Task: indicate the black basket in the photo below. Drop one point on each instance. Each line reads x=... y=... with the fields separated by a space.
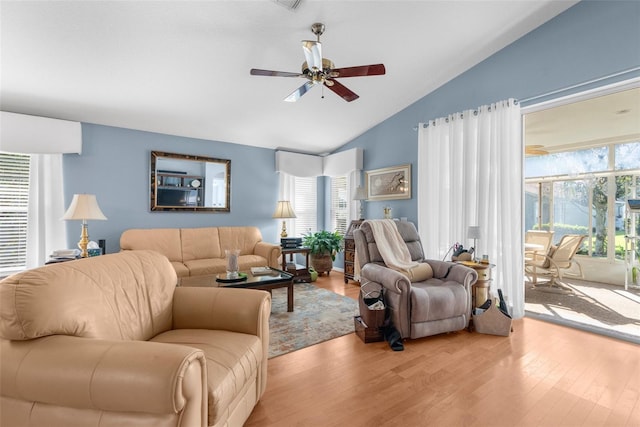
x=372 y=318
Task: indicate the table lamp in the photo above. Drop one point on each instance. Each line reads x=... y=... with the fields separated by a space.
x=360 y=196
x=84 y=207
x=474 y=232
x=284 y=211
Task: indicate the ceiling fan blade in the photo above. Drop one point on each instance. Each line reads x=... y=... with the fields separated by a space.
x=363 y=70
x=297 y=94
x=342 y=91
x=313 y=54
x=257 y=72
x=535 y=150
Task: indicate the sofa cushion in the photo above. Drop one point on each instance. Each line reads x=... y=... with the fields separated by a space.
x=232 y=363
x=243 y=238
x=200 y=243
x=163 y=240
x=210 y=266
x=442 y=301
x=127 y=295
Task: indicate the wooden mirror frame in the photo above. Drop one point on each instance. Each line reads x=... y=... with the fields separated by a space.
x=195 y=184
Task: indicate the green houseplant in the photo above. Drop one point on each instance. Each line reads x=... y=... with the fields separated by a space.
x=323 y=247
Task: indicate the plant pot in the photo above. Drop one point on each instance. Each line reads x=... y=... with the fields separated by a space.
x=322 y=263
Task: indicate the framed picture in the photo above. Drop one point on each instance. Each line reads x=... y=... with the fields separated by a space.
x=389 y=183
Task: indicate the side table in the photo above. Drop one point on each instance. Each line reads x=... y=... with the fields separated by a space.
x=300 y=272
x=480 y=292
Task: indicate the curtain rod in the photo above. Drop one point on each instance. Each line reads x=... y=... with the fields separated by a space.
x=553 y=92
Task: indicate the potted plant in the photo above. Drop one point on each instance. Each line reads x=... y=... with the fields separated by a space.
x=323 y=247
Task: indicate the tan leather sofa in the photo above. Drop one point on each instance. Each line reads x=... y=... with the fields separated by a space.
x=199 y=253
x=111 y=341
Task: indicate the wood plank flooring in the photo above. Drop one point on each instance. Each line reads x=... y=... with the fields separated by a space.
x=542 y=375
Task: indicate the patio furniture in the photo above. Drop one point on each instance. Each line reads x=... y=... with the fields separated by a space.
x=558 y=263
x=536 y=245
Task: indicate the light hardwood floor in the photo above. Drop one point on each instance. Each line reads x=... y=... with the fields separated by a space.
x=542 y=375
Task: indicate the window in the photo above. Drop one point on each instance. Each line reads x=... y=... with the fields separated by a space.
x=584 y=193
x=14 y=198
x=339 y=204
x=305 y=205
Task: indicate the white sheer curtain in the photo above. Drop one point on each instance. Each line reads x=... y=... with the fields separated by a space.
x=470 y=173
x=45 y=229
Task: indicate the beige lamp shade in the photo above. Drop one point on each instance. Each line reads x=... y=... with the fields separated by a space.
x=284 y=210
x=84 y=206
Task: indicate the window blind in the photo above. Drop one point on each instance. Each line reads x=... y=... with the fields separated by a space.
x=339 y=204
x=305 y=205
x=14 y=201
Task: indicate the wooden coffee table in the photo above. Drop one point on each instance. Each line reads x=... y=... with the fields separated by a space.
x=267 y=282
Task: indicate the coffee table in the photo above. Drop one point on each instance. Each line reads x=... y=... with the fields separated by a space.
x=273 y=280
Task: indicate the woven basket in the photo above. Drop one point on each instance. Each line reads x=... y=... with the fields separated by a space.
x=492 y=321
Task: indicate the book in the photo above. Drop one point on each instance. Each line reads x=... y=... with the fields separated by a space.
x=258 y=271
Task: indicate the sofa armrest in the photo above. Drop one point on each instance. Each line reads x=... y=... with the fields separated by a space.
x=270 y=251
x=453 y=271
x=107 y=375
x=232 y=309
x=244 y=311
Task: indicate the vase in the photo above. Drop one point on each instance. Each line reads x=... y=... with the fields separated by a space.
x=232 y=262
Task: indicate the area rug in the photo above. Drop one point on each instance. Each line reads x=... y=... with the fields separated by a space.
x=318 y=315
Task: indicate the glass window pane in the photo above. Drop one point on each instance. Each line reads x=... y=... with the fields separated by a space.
x=627 y=156
x=570 y=210
x=567 y=163
x=599 y=242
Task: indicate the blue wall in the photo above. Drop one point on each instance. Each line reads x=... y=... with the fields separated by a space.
x=114 y=165
x=588 y=41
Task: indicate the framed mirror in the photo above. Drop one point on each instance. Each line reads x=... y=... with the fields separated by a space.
x=184 y=183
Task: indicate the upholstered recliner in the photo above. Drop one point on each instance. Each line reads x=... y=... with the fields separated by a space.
x=111 y=341
x=434 y=305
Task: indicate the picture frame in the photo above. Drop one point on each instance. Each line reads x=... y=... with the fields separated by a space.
x=390 y=183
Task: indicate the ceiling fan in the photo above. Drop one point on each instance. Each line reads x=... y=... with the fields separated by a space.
x=320 y=71
x=534 y=150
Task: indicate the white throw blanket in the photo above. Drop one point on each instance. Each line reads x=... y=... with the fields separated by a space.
x=394 y=251
x=391 y=245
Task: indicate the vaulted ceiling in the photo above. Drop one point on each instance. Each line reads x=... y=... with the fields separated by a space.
x=182 y=67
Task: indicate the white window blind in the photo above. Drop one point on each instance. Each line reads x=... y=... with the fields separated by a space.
x=14 y=201
x=305 y=205
x=339 y=204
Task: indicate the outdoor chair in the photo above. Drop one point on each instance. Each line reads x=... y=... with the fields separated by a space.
x=430 y=304
x=559 y=262
x=536 y=246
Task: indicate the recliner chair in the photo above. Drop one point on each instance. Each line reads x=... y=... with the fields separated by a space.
x=436 y=305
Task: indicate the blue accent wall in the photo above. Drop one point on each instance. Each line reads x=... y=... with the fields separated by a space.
x=115 y=166
x=590 y=40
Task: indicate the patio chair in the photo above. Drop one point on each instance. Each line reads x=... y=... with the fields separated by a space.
x=558 y=263
x=536 y=246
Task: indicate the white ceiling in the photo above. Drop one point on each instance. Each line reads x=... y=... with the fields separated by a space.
x=613 y=117
x=182 y=67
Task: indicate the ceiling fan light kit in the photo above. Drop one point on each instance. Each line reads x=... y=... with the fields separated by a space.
x=321 y=71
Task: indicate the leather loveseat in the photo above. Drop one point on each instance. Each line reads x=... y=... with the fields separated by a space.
x=197 y=254
x=111 y=341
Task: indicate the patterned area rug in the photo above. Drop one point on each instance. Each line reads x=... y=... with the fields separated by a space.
x=318 y=315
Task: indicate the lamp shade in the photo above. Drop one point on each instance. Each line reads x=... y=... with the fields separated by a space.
x=284 y=210
x=474 y=232
x=361 y=194
x=84 y=206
